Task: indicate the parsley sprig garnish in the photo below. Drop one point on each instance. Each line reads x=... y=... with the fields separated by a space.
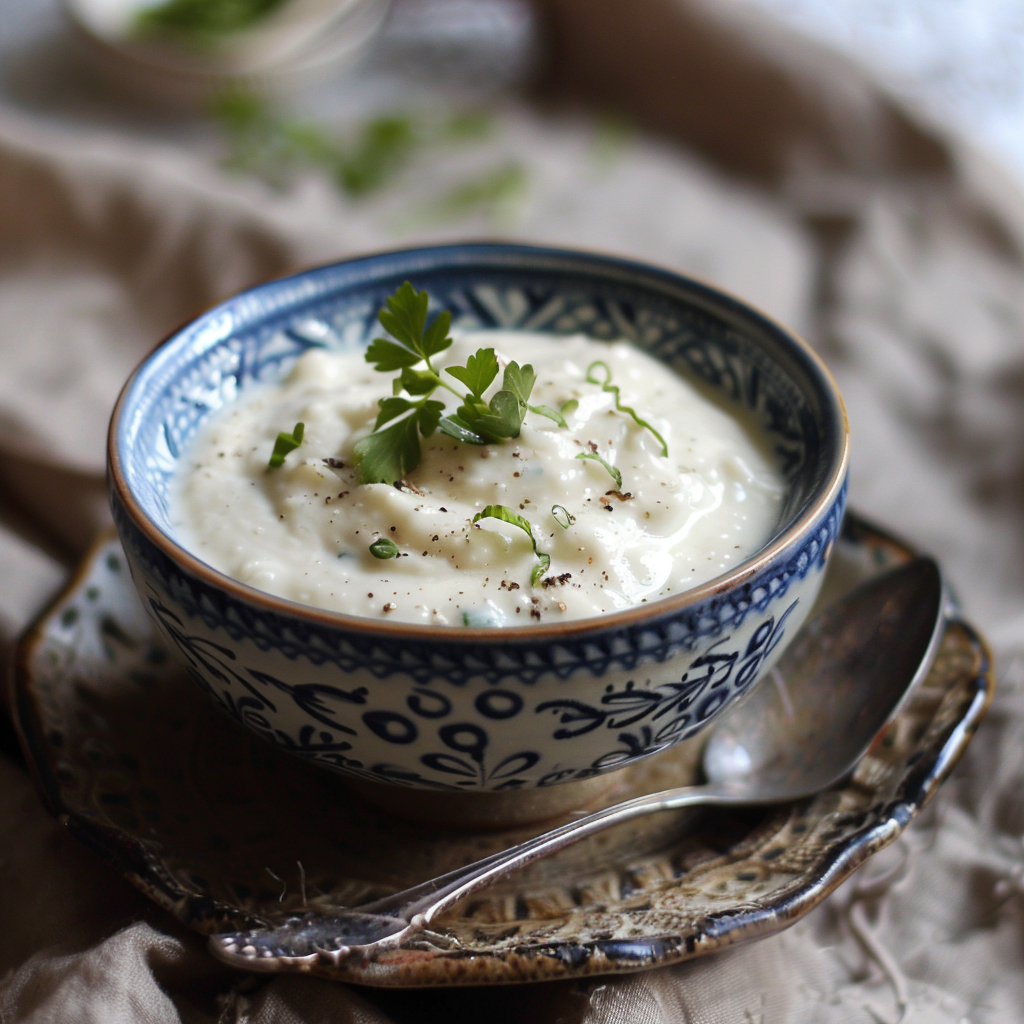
x=506 y=515
x=393 y=449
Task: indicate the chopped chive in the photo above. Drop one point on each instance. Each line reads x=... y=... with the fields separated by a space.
x=562 y=516
x=612 y=389
x=507 y=515
x=384 y=548
x=613 y=471
x=284 y=444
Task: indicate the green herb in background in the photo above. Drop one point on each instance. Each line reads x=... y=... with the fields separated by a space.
x=371 y=157
x=382 y=147
x=494 y=191
x=468 y=126
x=203 y=18
x=612 y=136
x=260 y=143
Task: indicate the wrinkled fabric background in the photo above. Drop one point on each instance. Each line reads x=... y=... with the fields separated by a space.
x=768 y=166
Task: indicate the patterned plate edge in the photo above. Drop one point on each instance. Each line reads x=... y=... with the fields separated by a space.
x=129 y=855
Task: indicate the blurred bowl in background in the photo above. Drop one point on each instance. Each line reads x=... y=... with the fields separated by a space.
x=297 y=43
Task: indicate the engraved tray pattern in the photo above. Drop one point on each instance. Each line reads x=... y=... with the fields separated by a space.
x=227 y=833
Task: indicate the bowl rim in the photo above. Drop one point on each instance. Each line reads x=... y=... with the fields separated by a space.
x=475 y=253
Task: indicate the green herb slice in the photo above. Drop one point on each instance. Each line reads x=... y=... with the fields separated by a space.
x=612 y=389
x=551 y=414
x=613 y=471
x=385 y=145
x=284 y=444
x=507 y=515
x=385 y=547
x=562 y=516
x=456 y=427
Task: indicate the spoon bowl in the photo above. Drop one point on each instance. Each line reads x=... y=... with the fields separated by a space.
x=843 y=679
x=831 y=697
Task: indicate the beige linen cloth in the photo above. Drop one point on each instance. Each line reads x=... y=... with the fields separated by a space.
x=773 y=169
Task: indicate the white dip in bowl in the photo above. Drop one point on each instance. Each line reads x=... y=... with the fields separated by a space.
x=303 y=530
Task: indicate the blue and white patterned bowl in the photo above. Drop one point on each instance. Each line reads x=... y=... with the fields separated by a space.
x=480 y=709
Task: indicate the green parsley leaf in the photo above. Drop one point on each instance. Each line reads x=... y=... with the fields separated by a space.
x=607 y=385
x=308 y=142
x=507 y=515
x=435 y=337
x=406 y=319
x=429 y=416
x=418 y=382
x=493 y=193
x=389 y=409
x=385 y=547
x=390 y=454
x=469 y=124
x=612 y=470
x=240 y=112
x=570 y=406
x=519 y=380
x=479 y=371
x=406 y=316
x=474 y=422
x=388 y=356
x=506 y=415
x=284 y=444
x=503 y=416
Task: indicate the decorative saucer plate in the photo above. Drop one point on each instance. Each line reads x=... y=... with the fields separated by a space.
x=228 y=833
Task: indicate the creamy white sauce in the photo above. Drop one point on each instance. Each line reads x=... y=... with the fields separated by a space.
x=303 y=531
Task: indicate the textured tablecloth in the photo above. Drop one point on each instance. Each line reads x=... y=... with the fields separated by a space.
x=769 y=167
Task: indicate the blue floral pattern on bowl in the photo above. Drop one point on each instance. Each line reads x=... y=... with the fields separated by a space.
x=480 y=709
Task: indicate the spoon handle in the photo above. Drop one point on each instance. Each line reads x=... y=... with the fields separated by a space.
x=427 y=900
x=387 y=922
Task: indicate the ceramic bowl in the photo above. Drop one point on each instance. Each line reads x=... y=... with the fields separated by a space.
x=300 y=44
x=509 y=712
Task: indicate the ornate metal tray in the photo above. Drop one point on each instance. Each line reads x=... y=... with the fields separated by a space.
x=228 y=833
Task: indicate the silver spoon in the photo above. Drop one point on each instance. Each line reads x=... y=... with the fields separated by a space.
x=836 y=687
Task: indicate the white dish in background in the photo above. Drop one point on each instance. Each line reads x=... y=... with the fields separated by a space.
x=303 y=41
x=282 y=33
